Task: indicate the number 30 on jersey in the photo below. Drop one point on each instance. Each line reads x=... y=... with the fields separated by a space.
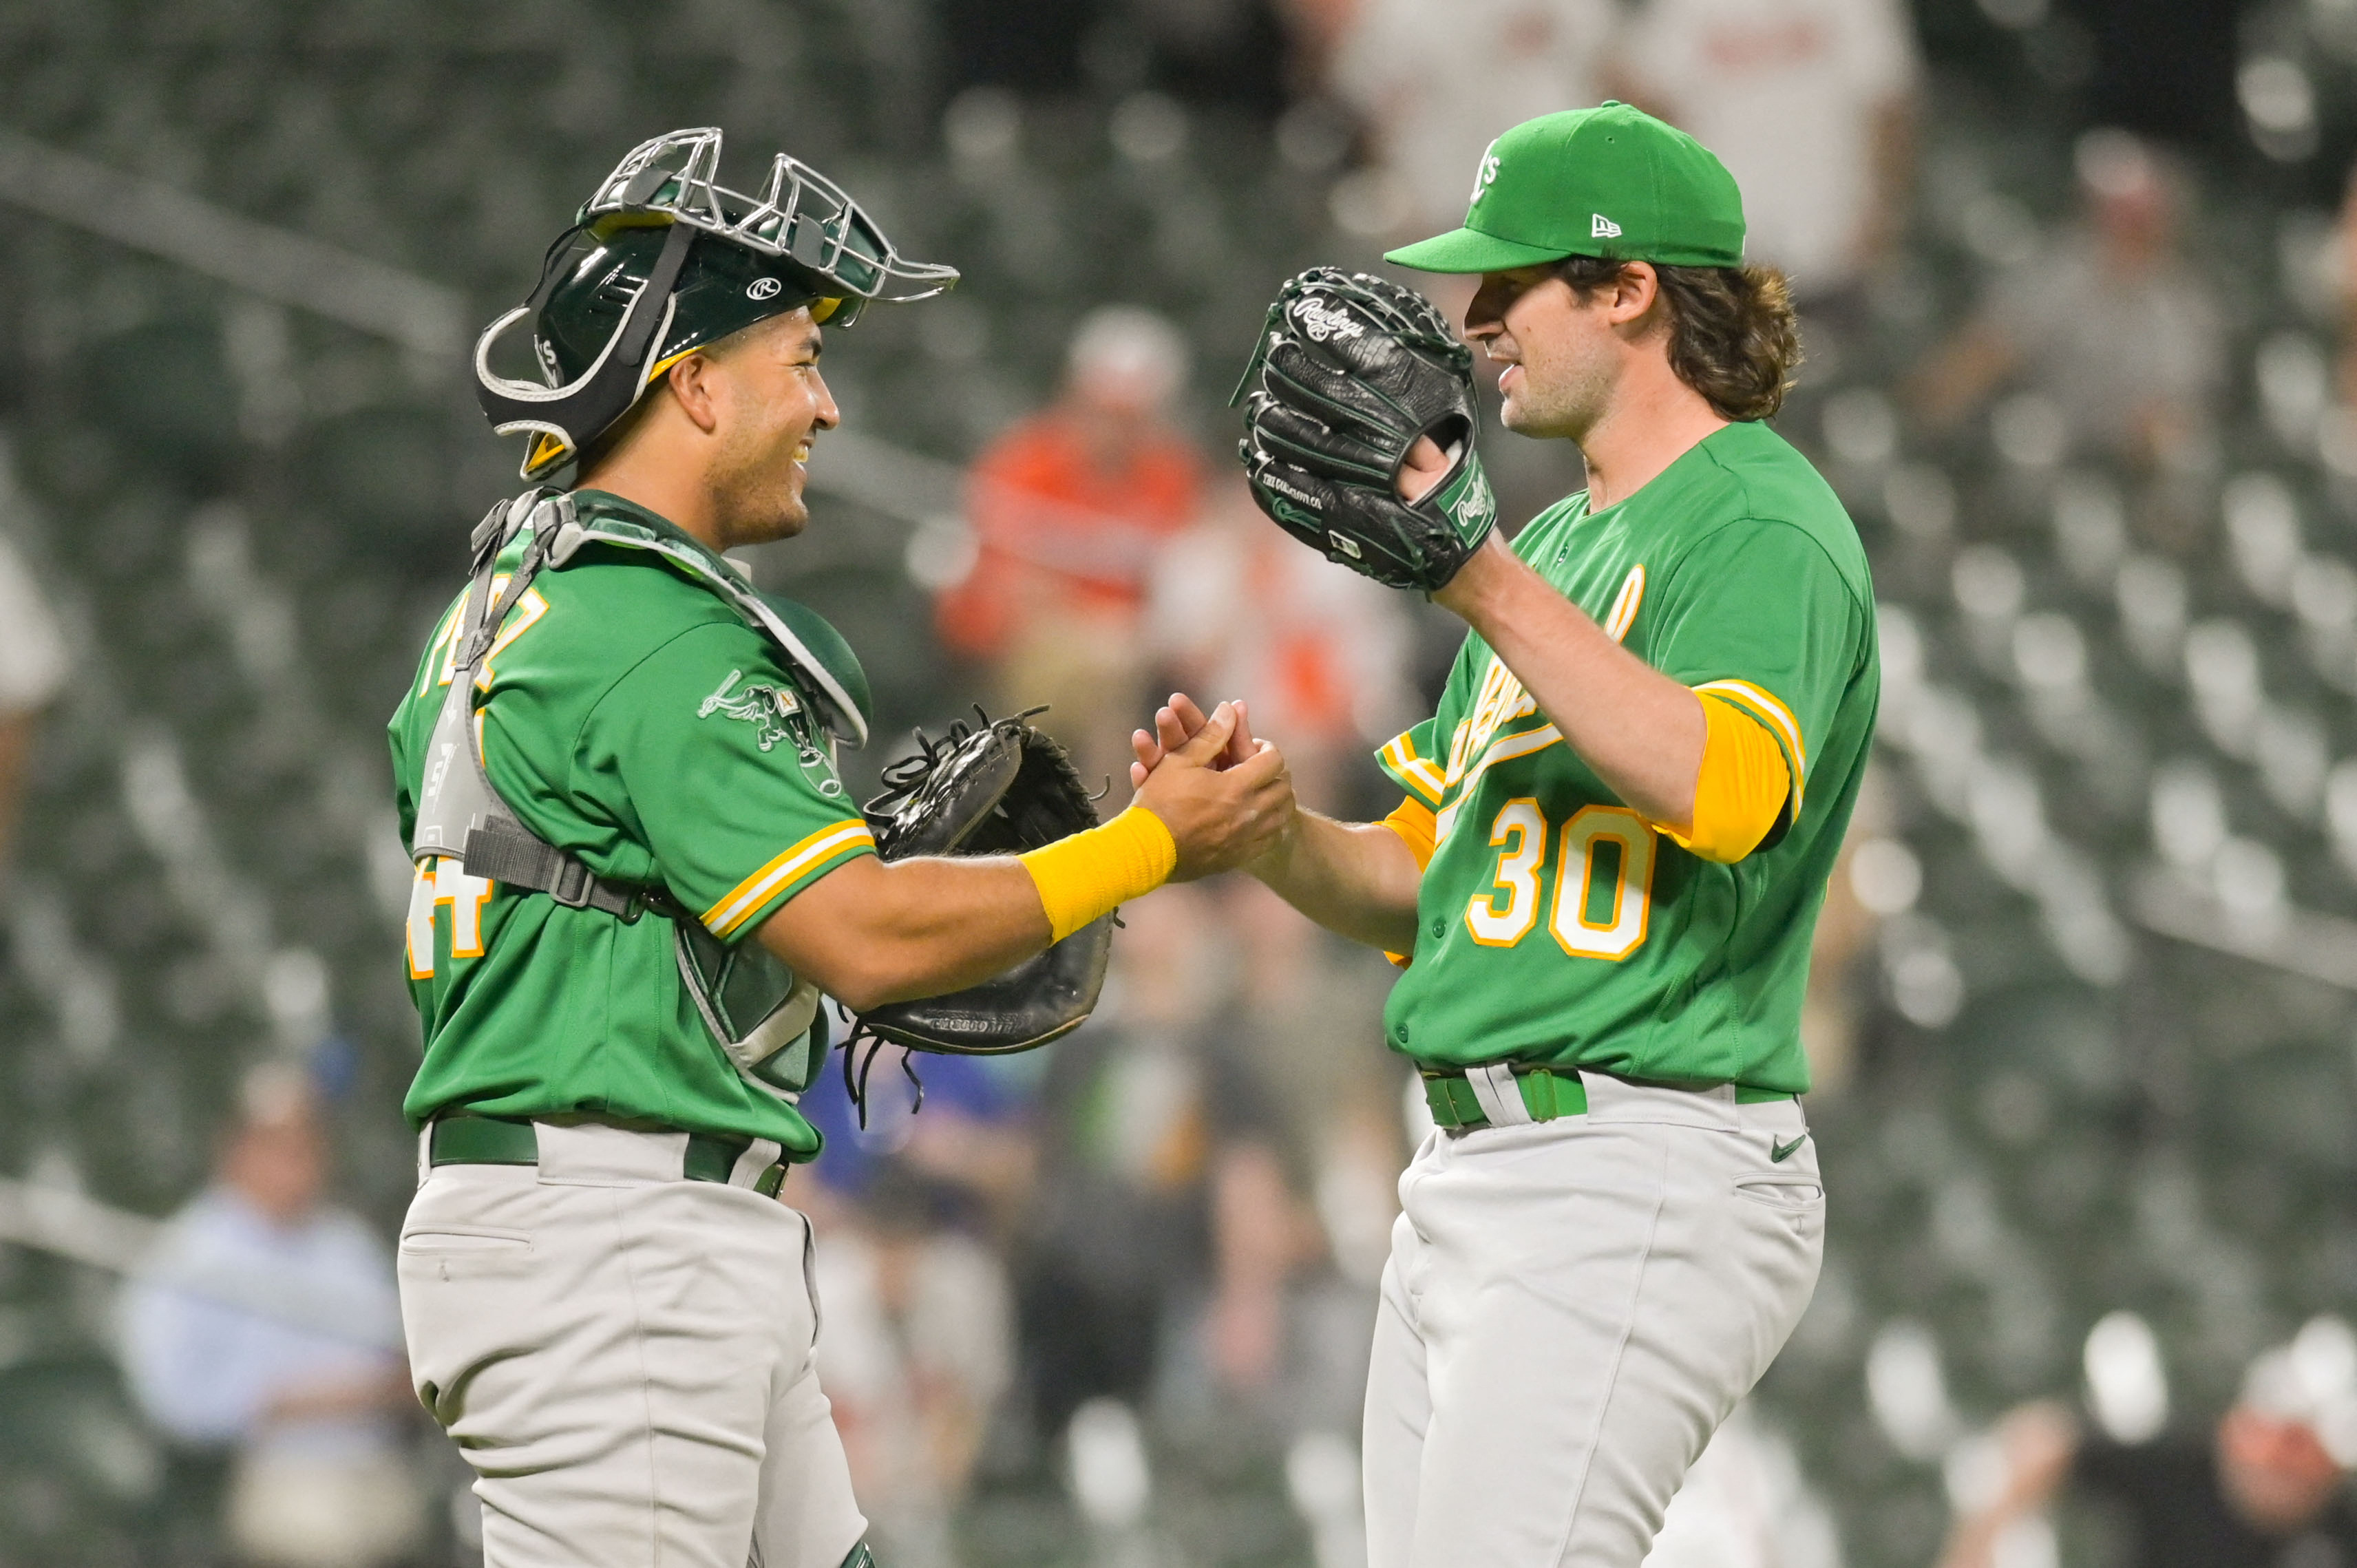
x=1603 y=880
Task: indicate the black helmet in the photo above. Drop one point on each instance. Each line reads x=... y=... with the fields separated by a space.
x=662 y=260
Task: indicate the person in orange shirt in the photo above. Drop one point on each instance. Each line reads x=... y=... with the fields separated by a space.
x=1237 y=606
x=1070 y=509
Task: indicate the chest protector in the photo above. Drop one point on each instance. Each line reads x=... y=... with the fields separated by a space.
x=765 y=1017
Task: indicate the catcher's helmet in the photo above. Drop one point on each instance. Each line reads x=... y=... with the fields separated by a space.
x=662 y=261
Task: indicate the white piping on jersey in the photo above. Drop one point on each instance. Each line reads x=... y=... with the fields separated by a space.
x=1420 y=774
x=1505 y=748
x=1500 y=701
x=724 y=917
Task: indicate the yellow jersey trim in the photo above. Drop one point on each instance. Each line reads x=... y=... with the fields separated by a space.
x=1763 y=706
x=737 y=905
x=1415 y=771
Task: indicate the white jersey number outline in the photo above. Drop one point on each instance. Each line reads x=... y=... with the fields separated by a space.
x=1622 y=906
x=1496 y=925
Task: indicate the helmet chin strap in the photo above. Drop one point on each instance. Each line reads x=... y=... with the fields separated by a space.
x=579 y=412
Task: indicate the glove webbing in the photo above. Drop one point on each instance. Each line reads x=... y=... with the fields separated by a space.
x=903 y=779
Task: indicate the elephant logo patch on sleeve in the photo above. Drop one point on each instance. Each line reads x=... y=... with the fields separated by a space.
x=764 y=707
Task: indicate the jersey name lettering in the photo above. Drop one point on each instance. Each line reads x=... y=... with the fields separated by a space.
x=1501 y=700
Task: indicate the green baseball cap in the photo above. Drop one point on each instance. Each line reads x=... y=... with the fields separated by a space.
x=1608 y=181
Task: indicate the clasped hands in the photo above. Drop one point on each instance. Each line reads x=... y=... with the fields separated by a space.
x=1226 y=798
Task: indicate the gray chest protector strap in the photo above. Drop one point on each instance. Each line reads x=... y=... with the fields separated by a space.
x=762 y=1015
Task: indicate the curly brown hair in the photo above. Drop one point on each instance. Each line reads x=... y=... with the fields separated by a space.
x=1733 y=335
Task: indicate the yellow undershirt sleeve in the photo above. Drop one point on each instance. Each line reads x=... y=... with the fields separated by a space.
x=1741 y=792
x=1417 y=827
x=1091 y=874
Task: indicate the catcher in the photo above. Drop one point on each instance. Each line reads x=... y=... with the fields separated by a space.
x=1614 y=837
x=636 y=871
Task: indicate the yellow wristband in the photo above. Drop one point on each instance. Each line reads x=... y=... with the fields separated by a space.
x=1092 y=873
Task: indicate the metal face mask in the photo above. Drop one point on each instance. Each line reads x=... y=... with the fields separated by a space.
x=662 y=260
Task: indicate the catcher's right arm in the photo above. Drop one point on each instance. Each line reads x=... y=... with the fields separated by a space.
x=1001 y=788
x=1351 y=372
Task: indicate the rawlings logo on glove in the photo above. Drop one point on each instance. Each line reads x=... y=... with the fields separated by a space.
x=1351 y=372
x=1322 y=323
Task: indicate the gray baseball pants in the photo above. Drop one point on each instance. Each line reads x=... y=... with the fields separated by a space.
x=1570 y=1309
x=624 y=1358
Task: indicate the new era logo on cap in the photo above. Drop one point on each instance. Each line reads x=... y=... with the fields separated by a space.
x=1599 y=227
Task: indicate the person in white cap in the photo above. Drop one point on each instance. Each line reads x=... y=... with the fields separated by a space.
x=2266 y=1489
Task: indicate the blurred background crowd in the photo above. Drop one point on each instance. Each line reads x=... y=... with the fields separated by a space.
x=2078 y=280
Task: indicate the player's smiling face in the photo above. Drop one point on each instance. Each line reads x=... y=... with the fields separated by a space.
x=1561 y=356
x=772 y=405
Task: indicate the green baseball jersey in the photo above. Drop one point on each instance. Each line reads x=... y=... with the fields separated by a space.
x=1555 y=926
x=631 y=716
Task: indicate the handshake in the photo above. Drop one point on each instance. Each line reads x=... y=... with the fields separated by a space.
x=1226 y=798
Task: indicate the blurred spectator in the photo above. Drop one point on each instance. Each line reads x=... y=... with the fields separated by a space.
x=917 y=1347
x=1171 y=1262
x=917 y=1338
x=1307 y=1014
x=1321 y=655
x=264 y=1324
x=1137 y=1108
x=2344 y=272
x=2110 y=324
x=911 y=1213
x=1845 y=929
x=1067 y=509
x=1276 y=1347
x=971 y=1149
x=1221 y=52
x=1435 y=89
x=1261 y=1239
x=32 y=671
x=1812 y=106
x=2266 y=1490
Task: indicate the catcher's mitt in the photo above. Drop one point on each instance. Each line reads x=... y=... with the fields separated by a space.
x=998 y=788
x=1351 y=369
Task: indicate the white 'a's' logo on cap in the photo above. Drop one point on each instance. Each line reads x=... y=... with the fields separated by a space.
x=1599 y=227
x=1486 y=175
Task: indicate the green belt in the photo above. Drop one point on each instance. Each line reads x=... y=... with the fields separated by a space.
x=1547 y=1093
x=463 y=1139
